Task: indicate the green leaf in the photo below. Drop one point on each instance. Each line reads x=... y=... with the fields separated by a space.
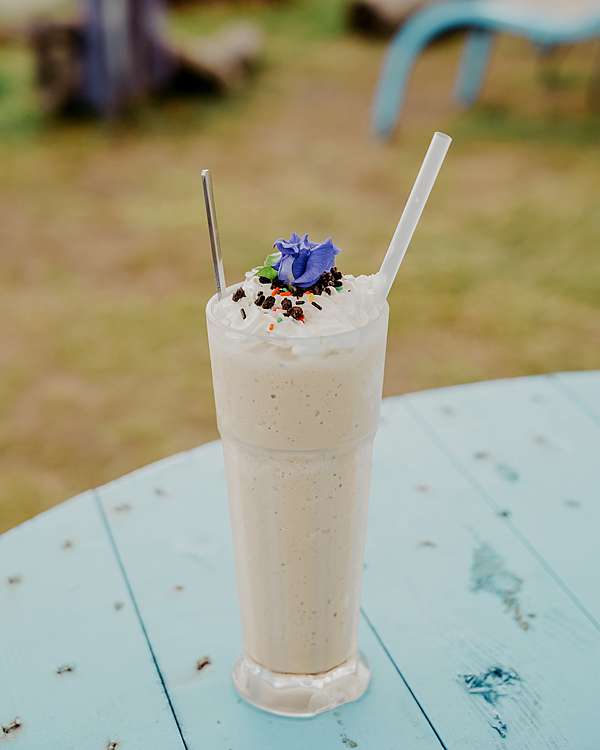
x=267 y=271
x=270 y=260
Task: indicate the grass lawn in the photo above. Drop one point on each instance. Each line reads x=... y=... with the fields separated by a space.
x=105 y=266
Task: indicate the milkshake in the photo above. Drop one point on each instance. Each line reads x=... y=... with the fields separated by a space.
x=297 y=353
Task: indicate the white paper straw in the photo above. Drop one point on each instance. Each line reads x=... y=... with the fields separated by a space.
x=417 y=199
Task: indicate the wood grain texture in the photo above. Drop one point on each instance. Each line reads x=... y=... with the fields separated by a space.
x=74 y=664
x=536 y=457
x=480 y=597
x=583 y=388
x=175 y=544
x=453 y=591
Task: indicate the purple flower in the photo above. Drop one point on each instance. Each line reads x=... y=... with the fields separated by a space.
x=303 y=262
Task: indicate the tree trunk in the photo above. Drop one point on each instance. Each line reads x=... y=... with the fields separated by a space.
x=220 y=62
x=59 y=67
x=117 y=54
x=126 y=58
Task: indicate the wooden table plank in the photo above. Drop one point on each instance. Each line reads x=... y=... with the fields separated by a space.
x=451 y=587
x=452 y=591
x=583 y=388
x=74 y=665
x=536 y=456
x=175 y=544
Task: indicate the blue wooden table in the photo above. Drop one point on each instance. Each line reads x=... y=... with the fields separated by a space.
x=481 y=605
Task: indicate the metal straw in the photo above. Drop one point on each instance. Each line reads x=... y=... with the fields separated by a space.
x=213 y=232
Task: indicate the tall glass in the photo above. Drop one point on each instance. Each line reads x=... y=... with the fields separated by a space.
x=297 y=417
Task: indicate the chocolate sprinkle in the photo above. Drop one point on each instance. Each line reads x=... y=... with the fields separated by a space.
x=259 y=300
x=243 y=313
x=286 y=304
x=238 y=294
x=264 y=280
x=317 y=305
x=203 y=663
x=268 y=303
x=297 y=313
x=12 y=727
x=328 y=290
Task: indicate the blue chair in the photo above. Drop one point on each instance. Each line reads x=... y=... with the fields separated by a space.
x=545 y=25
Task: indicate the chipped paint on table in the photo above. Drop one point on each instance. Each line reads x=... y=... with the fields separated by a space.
x=75 y=668
x=481 y=604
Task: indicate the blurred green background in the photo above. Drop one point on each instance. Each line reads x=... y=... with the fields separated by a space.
x=105 y=260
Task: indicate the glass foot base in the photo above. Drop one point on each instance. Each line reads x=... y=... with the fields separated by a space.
x=300 y=694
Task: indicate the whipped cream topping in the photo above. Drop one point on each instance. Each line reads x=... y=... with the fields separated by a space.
x=353 y=304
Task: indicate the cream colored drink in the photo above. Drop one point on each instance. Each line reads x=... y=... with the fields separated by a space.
x=297 y=402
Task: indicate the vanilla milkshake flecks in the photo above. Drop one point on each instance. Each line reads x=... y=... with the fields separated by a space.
x=297 y=352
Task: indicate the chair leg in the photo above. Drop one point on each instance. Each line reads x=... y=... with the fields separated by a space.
x=391 y=89
x=437 y=19
x=413 y=37
x=473 y=66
